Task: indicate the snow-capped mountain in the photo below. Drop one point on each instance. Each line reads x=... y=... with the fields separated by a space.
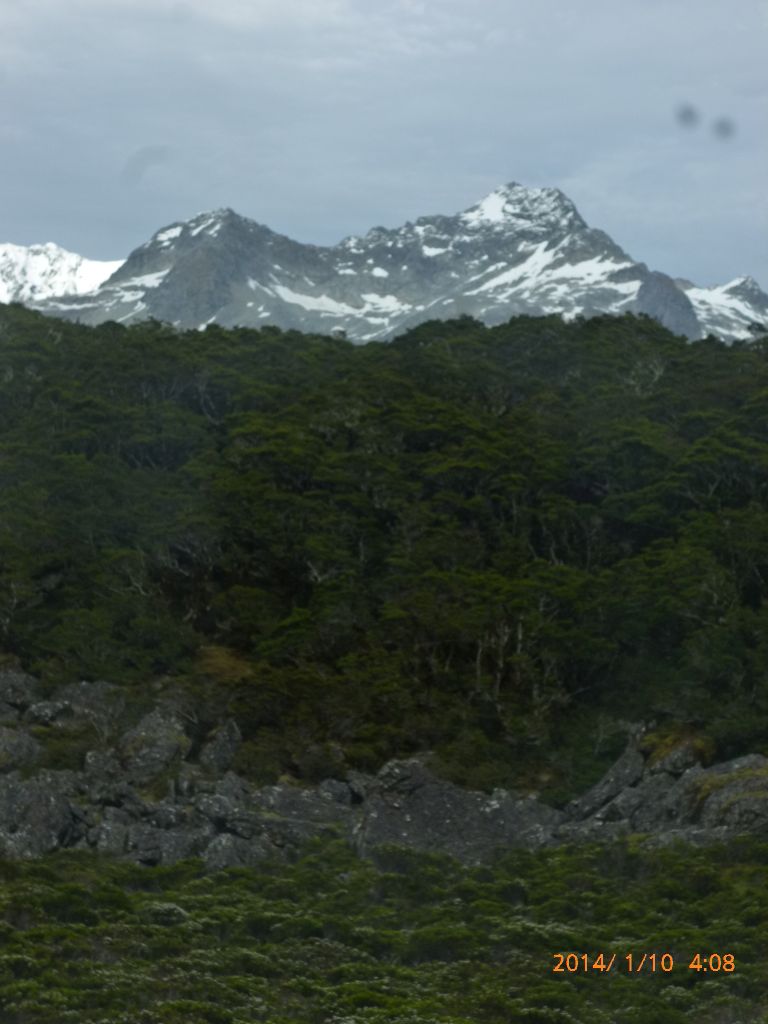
x=727 y=310
x=35 y=272
x=519 y=250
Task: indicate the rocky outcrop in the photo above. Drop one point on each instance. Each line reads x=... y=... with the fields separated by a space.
x=659 y=297
x=148 y=791
x=408 y=806
x=17 y=692
x=219 y=751
x=153 y=746
x=17 y=749
x=36 y=817
x=623 y=776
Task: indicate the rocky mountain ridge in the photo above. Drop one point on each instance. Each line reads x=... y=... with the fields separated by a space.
x=146 y=792
x=518 y=251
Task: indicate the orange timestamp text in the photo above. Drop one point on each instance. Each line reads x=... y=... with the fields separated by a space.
x=635 y=963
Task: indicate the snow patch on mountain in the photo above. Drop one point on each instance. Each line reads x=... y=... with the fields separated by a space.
x=489 y=211
x=166 y=237
x=319 y=303
x=146 y=280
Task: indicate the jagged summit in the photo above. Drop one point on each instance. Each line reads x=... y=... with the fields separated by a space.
x=518 y=250
x=746 y=285
x=515 y=206
x=207 y=224
x=220 y=213
x=511 y=207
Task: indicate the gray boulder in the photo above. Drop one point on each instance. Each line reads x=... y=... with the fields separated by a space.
x=319 y=805
x=674 y=797
x=153 y=746
x=35 y=818
x=229 y=851
x=282 y=816
x=150 y=845
x=337 y=791
x=228 y=816
x=662 y=802
x=735 y=796
x=49 y=712
x=111 y=834
x=232 y=786
x=104 y=783
x=169 y=816
x=219 y=751
x=100 y=703
x=410 y=807
x=679 y=759
x=17 y=749
x=17 y=689
x=8 y=715
x=624 y=773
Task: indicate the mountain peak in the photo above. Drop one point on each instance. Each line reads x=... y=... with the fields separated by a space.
x=514 y=205
x=208 y=222
x=220 y=214
x=35 y=272
x=743 y=284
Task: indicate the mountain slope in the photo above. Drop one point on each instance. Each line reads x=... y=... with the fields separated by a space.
x=35 y=272
x=518 y=251
x=723 y=309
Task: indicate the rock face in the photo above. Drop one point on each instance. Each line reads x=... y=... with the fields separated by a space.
x=407 y=806
x=18 y=691
x=219 y=751
x=661 y=298
x=17 y=749
x=518 y=251
x=152 y=746
x=36 y=817
x=142 y=792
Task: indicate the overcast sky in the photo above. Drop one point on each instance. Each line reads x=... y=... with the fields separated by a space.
x=323 y=118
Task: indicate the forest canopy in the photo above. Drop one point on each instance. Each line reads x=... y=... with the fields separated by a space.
x=498 y=544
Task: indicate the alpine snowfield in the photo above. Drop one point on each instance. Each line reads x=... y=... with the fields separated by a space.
x=31 y=273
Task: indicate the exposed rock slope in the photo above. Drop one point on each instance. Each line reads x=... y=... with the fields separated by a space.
x=142 y=793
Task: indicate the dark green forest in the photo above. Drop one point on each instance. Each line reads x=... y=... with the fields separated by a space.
x=497 y=544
